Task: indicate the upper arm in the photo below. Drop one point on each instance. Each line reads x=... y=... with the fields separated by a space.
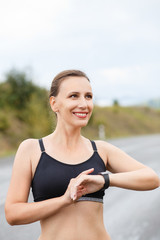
x=119 y=161
x=21 y=174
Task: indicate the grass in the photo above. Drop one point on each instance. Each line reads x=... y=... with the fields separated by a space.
x=124 y=121
x=117 y=122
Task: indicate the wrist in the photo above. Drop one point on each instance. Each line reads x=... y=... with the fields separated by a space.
x=106 y=178
x=66 y=201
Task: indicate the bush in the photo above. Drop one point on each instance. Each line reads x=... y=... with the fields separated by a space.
x=4 y=123
x=19 y=89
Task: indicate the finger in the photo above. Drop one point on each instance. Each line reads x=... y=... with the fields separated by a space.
x=75 y=190
x=81 y=192
x=81 y=180
x=73 y=197
x=88 y=171
x=73 y=194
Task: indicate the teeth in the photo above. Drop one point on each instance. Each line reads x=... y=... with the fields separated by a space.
x=81 y=114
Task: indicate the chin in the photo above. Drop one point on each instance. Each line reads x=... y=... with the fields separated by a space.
x=81 y=124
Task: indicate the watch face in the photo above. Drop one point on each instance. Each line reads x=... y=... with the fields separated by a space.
x=104 y=172
x=107 y=172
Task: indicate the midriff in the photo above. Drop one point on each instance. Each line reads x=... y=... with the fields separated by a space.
x=79 y=221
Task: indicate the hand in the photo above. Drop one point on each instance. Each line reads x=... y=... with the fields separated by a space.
x=68 y=195
x=84 y=184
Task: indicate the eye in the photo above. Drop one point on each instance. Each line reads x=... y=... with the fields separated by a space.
x=73 y=96
x=89 y=96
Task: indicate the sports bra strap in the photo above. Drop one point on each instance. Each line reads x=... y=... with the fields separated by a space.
x=41 y=145
x=94 y=146
x=43 y=149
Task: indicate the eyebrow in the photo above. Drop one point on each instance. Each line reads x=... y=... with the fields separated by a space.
x=79 y=92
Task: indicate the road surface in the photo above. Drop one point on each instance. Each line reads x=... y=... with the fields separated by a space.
x=128 y=215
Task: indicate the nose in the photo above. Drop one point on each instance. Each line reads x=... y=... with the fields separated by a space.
x=82 y=103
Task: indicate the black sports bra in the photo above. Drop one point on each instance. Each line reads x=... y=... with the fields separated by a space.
x=52 y=177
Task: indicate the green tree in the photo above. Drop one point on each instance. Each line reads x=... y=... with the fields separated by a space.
x=19 y=89
x=4 y=93
x=38 y=117
x=115 y=103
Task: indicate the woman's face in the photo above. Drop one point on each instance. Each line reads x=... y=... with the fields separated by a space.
x=74 y=103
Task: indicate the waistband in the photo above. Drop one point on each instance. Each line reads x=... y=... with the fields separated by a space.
x=90 y=199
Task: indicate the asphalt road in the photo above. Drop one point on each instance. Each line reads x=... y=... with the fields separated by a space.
x=128 y=215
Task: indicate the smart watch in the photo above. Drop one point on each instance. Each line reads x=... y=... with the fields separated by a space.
x=106 y=179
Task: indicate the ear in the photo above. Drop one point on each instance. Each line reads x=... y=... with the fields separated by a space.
x=53 y=104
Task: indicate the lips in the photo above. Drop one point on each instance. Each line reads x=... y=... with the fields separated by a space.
x=80 y=114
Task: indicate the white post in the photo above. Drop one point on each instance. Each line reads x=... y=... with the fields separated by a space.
x=101 y=132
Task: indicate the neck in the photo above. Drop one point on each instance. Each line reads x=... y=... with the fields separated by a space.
x=67 y=136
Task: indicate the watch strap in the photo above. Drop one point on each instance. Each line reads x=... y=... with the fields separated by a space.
x=106 y=179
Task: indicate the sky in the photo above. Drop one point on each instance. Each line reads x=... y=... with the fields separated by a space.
x=115 y=42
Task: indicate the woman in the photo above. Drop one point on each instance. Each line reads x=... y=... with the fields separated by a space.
x=68 y=189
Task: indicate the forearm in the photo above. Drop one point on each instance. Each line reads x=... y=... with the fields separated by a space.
x=142 y=179
x=24 y=213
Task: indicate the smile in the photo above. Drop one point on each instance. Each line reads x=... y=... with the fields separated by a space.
x=81 y=115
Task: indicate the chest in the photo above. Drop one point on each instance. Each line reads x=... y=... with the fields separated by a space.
x=52 y=176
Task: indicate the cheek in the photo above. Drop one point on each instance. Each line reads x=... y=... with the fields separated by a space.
x=67 y=106
x=72 y=105
x=91 y=106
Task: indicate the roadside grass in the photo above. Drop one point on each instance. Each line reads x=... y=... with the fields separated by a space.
x=117 y=122
x=123 y=121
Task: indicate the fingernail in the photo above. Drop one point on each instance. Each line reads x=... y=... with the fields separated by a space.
x=71 y=196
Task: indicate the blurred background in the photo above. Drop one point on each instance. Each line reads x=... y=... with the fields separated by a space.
x=115 y=42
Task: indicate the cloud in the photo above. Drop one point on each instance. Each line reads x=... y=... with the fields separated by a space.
x=115 y=42
x=128 y=84
x=26 y=19
x=136 y=74
x=125 y=75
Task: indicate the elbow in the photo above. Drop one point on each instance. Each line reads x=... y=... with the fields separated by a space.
x=10 y=217
x=154 y=180
x=10 y=221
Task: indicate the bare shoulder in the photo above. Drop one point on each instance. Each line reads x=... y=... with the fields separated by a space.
x=117 y=159
x=103 y=149
x=105 y=146
x=26 y=150
x=28 y=145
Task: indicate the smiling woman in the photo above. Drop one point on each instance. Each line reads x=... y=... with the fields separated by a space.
x=72 y=101
x=67 y=172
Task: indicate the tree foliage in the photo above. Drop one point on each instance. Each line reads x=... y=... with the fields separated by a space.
x=24 y=108
x=18 y=89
